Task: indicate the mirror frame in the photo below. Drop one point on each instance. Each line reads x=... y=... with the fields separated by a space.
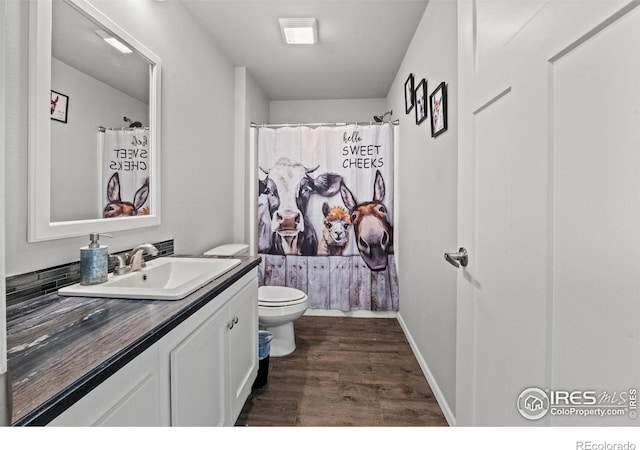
x=40 y=227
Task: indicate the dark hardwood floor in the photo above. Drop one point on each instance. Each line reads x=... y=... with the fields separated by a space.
x=344 y=372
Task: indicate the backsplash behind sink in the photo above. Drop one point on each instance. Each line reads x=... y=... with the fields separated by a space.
x=45 y=281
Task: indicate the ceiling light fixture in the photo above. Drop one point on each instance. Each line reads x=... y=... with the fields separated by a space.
x=113 y=42
x=299 y=31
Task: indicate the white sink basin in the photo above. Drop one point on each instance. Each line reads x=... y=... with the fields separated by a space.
x=162 y=279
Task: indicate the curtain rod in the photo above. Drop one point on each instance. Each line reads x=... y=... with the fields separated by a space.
x=103 y=129
x=319 y=124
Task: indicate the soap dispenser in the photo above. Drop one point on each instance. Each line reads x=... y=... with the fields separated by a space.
x=94 y=261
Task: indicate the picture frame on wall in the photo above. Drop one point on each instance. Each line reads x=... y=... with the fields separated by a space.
x=409 y=98
x=421 y=101
x=59 y=106
x=438 y=107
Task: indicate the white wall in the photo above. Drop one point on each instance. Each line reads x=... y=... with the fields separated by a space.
x=251 y=105
x=3 y=309
x=74 y=152
x=197 y=135
x=315 y=111
x=427 y=196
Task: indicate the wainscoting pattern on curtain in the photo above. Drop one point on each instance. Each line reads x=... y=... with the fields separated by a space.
x=325 y=214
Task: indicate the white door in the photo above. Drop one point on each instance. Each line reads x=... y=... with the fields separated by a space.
x=549 y=211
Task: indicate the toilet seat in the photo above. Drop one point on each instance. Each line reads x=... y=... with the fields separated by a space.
x=274 y=304
x=278 y=296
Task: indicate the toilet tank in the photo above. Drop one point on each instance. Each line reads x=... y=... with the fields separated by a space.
x=229 y=250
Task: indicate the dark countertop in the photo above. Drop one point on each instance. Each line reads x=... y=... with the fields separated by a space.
x=60 y=348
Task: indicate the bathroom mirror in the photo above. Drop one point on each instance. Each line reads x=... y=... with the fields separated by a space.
x=78 y=83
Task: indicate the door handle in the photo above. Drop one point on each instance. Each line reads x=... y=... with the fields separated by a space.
x=461 y=256
x=232 y=322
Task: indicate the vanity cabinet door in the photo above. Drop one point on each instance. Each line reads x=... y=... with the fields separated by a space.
x=243 y=347
x=211 y=359
x=130 y=397
x=198 y=375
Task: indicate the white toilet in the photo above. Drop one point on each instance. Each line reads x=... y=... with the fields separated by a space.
x=278 y=306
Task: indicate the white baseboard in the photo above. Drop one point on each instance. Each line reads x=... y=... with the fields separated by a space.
x=446 y=410
x=339 y=313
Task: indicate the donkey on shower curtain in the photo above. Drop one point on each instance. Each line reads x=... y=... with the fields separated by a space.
x=125 y=172
x=325 y=214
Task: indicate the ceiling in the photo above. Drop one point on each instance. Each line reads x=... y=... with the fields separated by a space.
x=74 y=42
x=361 y=44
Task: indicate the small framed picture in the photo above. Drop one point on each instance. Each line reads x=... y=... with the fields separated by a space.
x=438 y=106
x=421 y=101
x=409 y=98
x=59 y=106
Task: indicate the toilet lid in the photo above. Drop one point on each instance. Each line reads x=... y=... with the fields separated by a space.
x=229 y=250
x=279 y=296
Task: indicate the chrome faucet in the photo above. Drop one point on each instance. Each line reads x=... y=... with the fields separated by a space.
x=133 y=261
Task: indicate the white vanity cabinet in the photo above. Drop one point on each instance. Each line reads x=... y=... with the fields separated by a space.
x=212 y=359
x=198 y=374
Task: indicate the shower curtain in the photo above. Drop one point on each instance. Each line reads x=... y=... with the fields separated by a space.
x=325 y=214
x=124 y=172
